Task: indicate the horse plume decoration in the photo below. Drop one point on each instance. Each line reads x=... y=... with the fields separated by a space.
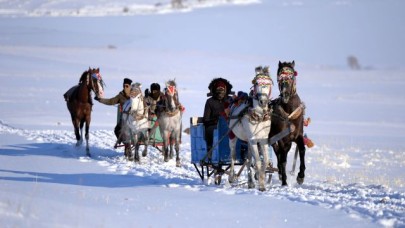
x=288 y=110
x=250 y=121
x=79 y=103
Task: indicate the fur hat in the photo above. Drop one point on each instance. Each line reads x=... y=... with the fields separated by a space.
x=127 y=81
x=220 y=83
x=154 y=86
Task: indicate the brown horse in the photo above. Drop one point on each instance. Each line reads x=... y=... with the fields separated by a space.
x=284 y=108
x=79 y=103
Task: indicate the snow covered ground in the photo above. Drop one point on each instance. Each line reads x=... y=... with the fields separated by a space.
x=354 y=174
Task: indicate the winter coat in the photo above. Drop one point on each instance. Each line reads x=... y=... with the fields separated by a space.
x=213 y=109
x=120 y=99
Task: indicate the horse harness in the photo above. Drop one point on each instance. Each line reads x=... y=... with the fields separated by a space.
x=137 y=116
x=287 y=76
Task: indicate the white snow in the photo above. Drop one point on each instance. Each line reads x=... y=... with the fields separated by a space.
x=354 y=174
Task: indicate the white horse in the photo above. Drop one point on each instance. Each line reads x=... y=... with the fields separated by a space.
x=169 y=119
x=135 y=124
x=253 y=126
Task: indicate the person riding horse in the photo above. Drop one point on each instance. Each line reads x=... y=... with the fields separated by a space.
x=220 y=89
x=120 y=99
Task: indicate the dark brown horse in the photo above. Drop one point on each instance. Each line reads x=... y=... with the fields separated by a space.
x=283 y=107
x=79 y=103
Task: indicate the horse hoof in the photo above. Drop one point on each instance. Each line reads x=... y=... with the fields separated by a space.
x=166 y=159
x=178 y=164
x=300 y=180
x=231 y=179
x=262 y=189
x=218 y=179
x=251 y=185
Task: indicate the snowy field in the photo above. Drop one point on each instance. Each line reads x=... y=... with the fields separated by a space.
x=354 y=175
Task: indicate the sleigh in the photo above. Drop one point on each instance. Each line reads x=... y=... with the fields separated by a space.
x=220 y=162
x=155 y=138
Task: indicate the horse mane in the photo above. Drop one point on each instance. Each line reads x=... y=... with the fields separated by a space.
x=84 y=76
x=214 y=81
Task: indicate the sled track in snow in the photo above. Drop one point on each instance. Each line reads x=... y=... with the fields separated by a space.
x=375 y=202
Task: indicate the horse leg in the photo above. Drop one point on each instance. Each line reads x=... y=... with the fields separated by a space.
x=265 y=162
x=232 y=146
x=136 y=146
x=258 y=165
x=283 y=162
x=165 y=147
x=301 y=148
x=76 y=124
x=276 y=149
x=87 y=136
x=251 y=184
x=146 y=142
x=171 y=142
x=177 y=148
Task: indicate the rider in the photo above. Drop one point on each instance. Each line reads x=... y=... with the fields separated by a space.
x=120 y=99
x=214 y=108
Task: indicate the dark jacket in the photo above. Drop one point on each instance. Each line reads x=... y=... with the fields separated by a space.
x=213 y=109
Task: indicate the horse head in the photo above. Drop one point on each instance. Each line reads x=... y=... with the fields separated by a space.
x=286 y=80
x=93 y=80
x=136 y=95
x=172 y=97
x=262 y=84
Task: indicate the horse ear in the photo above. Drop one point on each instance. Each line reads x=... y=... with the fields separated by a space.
x=279 y=63
x=89 y=69
x=293 y=63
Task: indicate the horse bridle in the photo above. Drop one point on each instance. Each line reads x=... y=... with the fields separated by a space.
x=286 y=75
x=90 y=77
x=171 y=91
x=262 y=80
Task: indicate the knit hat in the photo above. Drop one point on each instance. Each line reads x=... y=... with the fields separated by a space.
x=127 y=81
